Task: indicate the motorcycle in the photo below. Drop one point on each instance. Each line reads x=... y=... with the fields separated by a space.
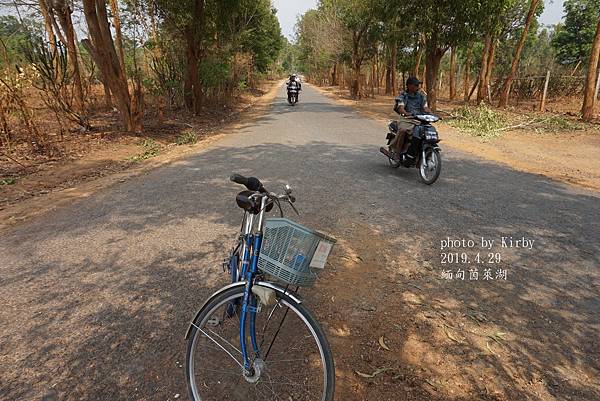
x=292 y=96
x=428 y=159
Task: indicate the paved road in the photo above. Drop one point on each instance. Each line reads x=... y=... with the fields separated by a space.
x=95 y=296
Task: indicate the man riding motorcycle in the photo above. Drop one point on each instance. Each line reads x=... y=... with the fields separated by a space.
x=293 y=83
x=409 y=103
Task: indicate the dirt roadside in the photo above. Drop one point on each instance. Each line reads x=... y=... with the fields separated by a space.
x=557 y=155
x=109 y=163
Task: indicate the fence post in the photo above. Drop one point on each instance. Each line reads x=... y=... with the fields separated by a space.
x=543 y=102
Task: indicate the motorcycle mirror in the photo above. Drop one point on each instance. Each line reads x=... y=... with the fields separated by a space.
x=288 y=189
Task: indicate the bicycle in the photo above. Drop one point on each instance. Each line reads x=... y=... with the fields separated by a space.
x=290 y=358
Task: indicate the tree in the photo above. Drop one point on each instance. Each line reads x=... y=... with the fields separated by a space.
x=491 y=26
x=467 y=73
x=573 y=40
x=452 y=73
x=64 y=11
x=212 y=37
x=16 y=35
x=45 y=10
x=359 y=18
x=105 y=57
x=515 y=62
x=446 y=23
x=114 y=7
x=484 y=70
x=261 y=35
x=589 y=95
x=322 y=42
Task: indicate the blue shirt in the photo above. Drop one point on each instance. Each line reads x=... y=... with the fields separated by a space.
x=413 y=103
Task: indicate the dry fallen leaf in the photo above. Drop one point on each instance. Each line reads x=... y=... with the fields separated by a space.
x=487 y=344
x=382 y=343
x=498 y=337
x=450 y=336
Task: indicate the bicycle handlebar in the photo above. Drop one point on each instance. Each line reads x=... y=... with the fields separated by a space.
x=252 y=183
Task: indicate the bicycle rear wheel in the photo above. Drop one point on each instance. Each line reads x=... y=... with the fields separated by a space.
x=294 y=361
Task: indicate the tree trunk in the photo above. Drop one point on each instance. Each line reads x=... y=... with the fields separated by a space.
x=355 y=85
x=587 y=110
x=108 y=62
x=505 y=92
x=334 y=74
x=417 y=70
x=193 y=95
x=372 y=80
x=107 y=97
x=114 y=6
x=66 y=23
x=394 y=68
x=483 y=71
x=433 y=57
x=452 y=73
x=490 y=62
x=48 y=24
x=388 y=77
x=490 y=65
x=356 y=64
x=467 y=77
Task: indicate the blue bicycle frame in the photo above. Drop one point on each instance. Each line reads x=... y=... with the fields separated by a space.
x=251 y=243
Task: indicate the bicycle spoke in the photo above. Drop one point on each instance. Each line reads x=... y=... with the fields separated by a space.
x=220 y=346
x=231 y=345
x=294 y=365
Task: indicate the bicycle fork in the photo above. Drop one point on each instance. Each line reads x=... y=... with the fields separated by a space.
x=250 y=308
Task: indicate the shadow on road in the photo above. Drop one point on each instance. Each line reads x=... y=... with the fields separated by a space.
x=98 y=296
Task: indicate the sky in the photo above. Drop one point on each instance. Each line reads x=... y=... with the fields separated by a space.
x=289 y=10
x=553 y=12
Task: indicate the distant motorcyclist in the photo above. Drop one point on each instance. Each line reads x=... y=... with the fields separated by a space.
x=293 y=83
x=410 y=102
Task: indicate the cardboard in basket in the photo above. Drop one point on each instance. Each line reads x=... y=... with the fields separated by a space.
x=321 y=253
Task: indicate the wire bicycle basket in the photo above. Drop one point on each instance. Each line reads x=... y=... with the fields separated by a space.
x=293 y=253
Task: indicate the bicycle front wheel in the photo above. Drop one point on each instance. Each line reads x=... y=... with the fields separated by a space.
x=293 y=361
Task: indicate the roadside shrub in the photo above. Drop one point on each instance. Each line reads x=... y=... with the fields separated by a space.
x=151 y=149
x=187 y=138
x=7 y=181
x=479 y=121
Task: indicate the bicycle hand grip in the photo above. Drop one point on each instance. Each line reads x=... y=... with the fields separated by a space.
x=238 y=179
x=252 y=183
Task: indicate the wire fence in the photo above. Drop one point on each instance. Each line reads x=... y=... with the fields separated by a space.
x=532 y=87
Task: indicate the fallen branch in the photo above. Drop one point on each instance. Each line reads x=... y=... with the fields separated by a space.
x=518 y=126
x=13 y=159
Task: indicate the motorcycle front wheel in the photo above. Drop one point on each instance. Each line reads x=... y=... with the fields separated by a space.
x=430 y=167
